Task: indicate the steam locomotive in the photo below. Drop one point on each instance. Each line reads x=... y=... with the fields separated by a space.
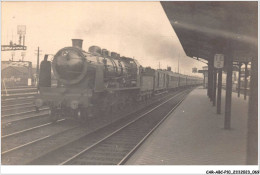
x=96 y=81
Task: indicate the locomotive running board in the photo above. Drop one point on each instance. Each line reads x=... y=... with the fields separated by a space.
x=50 y=90
x=161 y=93
x=122 y=89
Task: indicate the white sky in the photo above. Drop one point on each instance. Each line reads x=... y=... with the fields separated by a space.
x=134 y=29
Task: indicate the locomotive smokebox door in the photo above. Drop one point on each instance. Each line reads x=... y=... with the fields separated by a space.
x=69 y=65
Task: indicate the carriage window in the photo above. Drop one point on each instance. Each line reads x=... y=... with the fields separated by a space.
x=174 y=78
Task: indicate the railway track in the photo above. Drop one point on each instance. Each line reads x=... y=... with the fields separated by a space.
x=18 y=95
x=25 y=122
x=21 y=111
x=17 y=106
x=29 y=143
x=49 y=142
x=16 y=112
x=114 y=143
x=16 y=117
x=118 y=146
x=20 y=114
x=18 y=90
x=16 y=140
x=16 y=101
x=28 y=129
x=25 y=149
x=14 y=96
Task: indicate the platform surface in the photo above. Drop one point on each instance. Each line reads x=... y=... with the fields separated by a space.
x=194 y=135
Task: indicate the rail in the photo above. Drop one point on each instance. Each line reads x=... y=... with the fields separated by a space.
x=5 y=87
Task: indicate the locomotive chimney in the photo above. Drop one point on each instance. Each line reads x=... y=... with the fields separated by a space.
x=77 y=43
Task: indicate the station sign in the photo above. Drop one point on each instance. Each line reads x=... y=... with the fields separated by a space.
x=219 y=61
x=242 y=59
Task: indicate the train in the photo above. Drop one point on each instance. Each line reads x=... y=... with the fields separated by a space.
x=97 y=81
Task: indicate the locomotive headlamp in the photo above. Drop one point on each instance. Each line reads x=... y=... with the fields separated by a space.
x=74 y=104
x=38 y=102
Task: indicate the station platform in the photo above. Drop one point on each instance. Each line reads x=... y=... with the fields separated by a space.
x=194 y=135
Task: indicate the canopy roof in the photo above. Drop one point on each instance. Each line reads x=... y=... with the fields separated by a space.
x=205 y=28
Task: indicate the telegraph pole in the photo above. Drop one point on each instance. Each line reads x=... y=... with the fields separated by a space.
x=37 y=68
x=13 y=54
x=23 y=54
x=178 y=63
x=38 y=55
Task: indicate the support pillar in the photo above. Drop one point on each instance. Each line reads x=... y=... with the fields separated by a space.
x=239 y=79
x=210 y=79
x=204 y=81
x=208 y=93
x=219 y=91
x=246 y=75
x=37 y=69
x=214 y=87
x=252 y=124
x=227 y=122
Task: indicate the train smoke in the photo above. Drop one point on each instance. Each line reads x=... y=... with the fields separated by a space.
x=149 y=38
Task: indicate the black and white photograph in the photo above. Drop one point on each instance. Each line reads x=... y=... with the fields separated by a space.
x=130 y=83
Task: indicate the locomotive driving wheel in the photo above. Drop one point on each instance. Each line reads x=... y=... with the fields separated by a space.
x=111 y=103
x=105 y=105
x=122 y=102
x=81 y=115
x=54 y=115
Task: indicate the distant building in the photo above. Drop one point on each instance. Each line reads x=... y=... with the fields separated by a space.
x=16 y=73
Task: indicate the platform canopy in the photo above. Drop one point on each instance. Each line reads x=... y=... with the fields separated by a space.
x=205 y=28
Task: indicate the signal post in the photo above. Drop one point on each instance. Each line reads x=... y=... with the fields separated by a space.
x=219 y=64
